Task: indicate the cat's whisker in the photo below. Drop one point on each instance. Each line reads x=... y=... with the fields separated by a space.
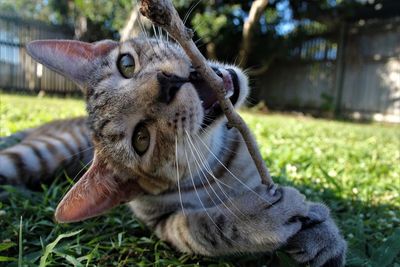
x=198 y=40
x=154 y=32
x=216 y=180
x=232 y=174
x=144 y=31
x=85 y=166
x=141 y=25
x=189 y=12
x=79 y=152
x=207 y=166
x=156 y=36
x=203 y=44
x=234 y=140
x=209 y=170
x=196 y=27
x=158 y=39
x=205 y=131
x=76 y=176
x=200 y=172
x=236 y=58
x=226 y=195
x=202 y=204
x=199 y=168
x=177 y=174
x=223 y=148
x=160 y=34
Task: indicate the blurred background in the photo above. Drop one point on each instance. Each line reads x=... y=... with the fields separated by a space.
x=323 y=57
x=324 y=107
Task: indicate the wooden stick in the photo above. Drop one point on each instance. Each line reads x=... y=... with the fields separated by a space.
x=162 y=13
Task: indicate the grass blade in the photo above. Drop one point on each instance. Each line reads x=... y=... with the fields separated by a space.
x=388 y=251
x=50 y=247
x=20 y=247
x=6 y=245
x=6 y=259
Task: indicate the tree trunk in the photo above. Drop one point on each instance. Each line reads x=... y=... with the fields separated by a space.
x=211 y=51
x=131 y=27
x=134 y=25
x=80 y=27
x=256 y=10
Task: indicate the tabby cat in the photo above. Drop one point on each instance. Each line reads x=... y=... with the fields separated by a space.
x=157 y=139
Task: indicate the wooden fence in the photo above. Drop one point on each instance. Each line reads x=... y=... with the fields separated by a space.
x=18 y=71
x=353 y=72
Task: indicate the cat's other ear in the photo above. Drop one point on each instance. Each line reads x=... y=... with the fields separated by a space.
x=73 y=59
x=98 y=191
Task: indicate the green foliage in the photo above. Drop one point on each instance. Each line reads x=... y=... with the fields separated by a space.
x=351 y=167
x=113 y=13
x=209 y=24
x=21 y=111
x=271 y=16
x=387 y=252
x=50 y=247
x=36 y=9
x=104 y=18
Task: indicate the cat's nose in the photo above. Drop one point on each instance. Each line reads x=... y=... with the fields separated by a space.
x=169 y=86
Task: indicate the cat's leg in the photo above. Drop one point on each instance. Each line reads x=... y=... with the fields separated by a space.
x=255 y=222
x=260 y=223
x=319 y=242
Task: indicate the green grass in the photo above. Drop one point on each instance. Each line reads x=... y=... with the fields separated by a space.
x=18 y=112
x=353 y=168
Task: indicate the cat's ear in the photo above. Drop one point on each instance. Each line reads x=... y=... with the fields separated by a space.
x=73 y=59
x=96 y=192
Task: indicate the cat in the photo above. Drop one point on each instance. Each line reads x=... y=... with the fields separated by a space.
x=156 y=139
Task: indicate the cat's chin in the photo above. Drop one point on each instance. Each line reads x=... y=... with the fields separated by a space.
x=212 y=109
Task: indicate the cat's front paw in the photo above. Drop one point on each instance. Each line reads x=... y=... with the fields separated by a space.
x=319 y=242
x=276 y=215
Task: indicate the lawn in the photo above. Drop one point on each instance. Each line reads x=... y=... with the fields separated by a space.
x=353 y=168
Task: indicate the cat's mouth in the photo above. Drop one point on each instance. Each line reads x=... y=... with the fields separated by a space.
x=212 y=109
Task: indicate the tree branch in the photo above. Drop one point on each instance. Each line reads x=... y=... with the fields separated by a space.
x=256 y=10
x=263 y=68
x=163 y=13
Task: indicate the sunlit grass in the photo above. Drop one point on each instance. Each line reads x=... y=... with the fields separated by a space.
x=23 y=111
x=353 y=168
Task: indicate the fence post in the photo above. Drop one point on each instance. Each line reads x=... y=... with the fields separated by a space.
x=340 y=67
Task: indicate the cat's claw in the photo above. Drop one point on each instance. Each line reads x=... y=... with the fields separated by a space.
x=319 y=242
x=272 y=189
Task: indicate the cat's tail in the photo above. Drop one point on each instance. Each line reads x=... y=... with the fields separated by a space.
x=32 y=157
x=11 y=140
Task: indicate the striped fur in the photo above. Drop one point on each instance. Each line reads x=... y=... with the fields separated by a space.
x=60 y=145
x=195 y=186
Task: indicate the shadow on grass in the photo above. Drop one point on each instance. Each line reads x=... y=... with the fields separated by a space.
x=118 y=239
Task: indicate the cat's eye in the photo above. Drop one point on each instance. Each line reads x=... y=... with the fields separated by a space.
x=126 y=65
x=141 y=139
